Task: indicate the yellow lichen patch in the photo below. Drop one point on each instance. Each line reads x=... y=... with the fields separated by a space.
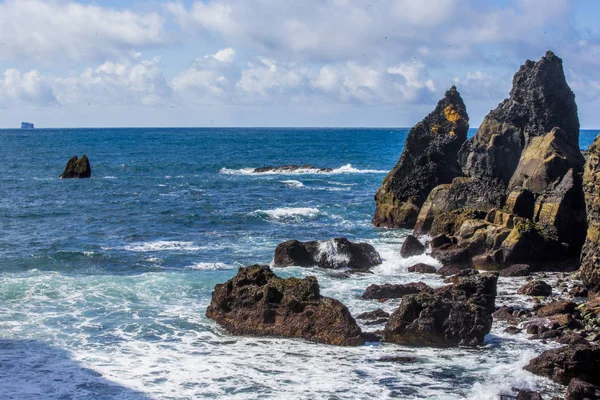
x=452 y=134
x=451 y=114
x=435 y=128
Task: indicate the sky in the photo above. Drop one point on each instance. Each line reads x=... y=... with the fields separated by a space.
x=338 y=63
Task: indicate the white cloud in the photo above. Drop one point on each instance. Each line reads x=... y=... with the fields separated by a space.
x=28 y=88
x=53 y=31
x=225 y=55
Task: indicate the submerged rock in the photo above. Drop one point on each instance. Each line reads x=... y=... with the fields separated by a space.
x=459 y=314
x=291 y=168
x=411 y=247
x=391 y=291
x=590 y=255
x=256 y=302
x=334 y=253
x=565 y=363
x=429 y=159
x=77 y=168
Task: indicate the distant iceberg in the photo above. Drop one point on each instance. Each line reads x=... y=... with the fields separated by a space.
x=26 y=125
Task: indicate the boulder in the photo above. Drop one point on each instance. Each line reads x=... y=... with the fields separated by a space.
x=376 y=314
x=256 y=302
x=334 y=253
x=590 y=254
x=411 y=247
x=535 y=288
x=568 y=362
x=391 y=291
x=429 y=159
x=558 y=307
x=459 y=314
x=581 y=390
x=525 y=394
x=291 y=168
x=423 y=269
x=516 y=270
x=77 y=168
x=520 y=202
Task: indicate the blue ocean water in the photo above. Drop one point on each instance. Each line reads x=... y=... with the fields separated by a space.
x=104 y=282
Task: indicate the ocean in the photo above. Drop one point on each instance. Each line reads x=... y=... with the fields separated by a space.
x=104 y=282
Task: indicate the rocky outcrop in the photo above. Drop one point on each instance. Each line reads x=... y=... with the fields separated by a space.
x=256 y=302
x=77 y=168
x=334 y=253
x=565 y=363
x=590 y=255
x=393 y=291
x=581 y=390
x=459 y=314
x=411 y=247
x=291 y=168
x=429 y=159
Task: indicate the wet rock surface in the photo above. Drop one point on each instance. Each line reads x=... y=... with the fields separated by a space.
x=77 y=168
x=256 y=302
x=536 y=288
x=411 y=247
x=581 y=390
x=393 y=291
x=422 y=269
x=565 y=363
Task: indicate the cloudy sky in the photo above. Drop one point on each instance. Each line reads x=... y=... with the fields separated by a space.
x=280 y=62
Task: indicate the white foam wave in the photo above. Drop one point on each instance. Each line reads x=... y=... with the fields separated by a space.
x=207 y=266
x=345 y=169
x=110 y=177
x=162 y=245
x=285 y=214
x=293 y=183
x=329 y=251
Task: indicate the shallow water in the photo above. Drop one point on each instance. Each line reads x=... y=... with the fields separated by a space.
x=104 y=282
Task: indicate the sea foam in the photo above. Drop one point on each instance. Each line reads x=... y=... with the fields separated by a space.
x=287 y=214
x=345 y=169
x=162 y=245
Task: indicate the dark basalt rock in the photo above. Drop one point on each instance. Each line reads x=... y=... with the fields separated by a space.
x=376 y=314
x=291 y=168
x=429 y=159
x=528 y=395
x=590 y=255
x=459 y=314
x=565 y=363
x=581 y=390
x=411 y=247
x=334 y=253
x=391 y=291
x=77 y=168
x=256 y=302
x=460 y=274
x=535 y=288
x=558 y=307
x=516 y=270
x=423 y=269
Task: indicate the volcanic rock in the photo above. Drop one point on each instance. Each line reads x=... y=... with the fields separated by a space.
x=535 y=288
x=334 y=253
x=422 y=269
x=528 y=395
x=565 y=363
x=558 y=307
x=590 y=254
x=516 y=270
x=376 y=314
x=459 y=314
x=581 y=390
x=256 y=302
x=391 y=291
x=429 y=159
x=411 y=247
x=77 y=168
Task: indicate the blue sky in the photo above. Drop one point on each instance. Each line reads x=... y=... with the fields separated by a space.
x=280 y=62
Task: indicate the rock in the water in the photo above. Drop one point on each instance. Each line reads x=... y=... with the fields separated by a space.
x=516 y=270
x=528 y=395
x=590 y=255
x=411 y=247
x=422 y=269
x=459 y=314
x=77 y=168
x=536 y=288
x=256 y=302
x=429 y=159
x=376 y=314
x=565 y=363
x=291 y=168
x=391 y=291
x=558 y=307
x=581 y=390
x=333 y=253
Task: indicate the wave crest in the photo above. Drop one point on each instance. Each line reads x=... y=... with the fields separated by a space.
x=287 y=214
x=345 y=169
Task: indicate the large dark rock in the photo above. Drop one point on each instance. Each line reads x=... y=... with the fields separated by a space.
x=393 y=291
x=77 y=168
x=256 y=302
x=411 y=247
x=535 y=288
x=565 y=363
x=581 y=390
x=540 y=100
x=423 y=268
x=429 y=159
x=558 y=307
x=291 y=168
x=516 y=270
x=459 y=314
x=334 y=253
x=590 y=255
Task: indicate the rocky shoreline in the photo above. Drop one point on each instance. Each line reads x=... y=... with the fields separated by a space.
x=518 y=199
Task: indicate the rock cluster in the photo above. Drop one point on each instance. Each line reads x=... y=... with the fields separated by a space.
x=334 y=253
x=77 y=168
x=256 y=302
